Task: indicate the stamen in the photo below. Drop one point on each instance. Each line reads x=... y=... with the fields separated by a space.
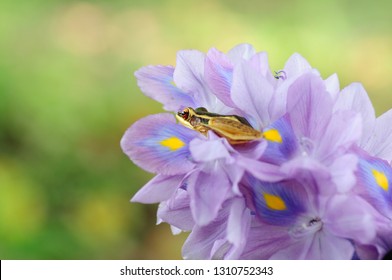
x=314 y=221
x=308 y=226
x=306 y=146
x=184 y=186
x=281 y=74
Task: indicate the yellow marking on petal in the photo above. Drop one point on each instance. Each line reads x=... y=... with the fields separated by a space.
x=381 y=179
x=274 y=202
x=272 y=135
x=173 y=143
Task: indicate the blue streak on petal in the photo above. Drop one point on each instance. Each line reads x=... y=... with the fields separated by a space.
x=379 y=193
x=164 y=133
x=291 y=193
x=278 y=153
x=159 y=145
x=157 y=83
x=219 y=75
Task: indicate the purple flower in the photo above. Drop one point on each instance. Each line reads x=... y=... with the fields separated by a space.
x=374 y=174
x=183 y=158
x=374 y=185
x=315 y=186
x=376 y=136
x=313 y=138
x=292 y=221
x=224 y=238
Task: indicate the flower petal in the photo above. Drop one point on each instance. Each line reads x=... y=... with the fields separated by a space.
x=264 y=240
x=176 y=211
x=175 y=230
x=278 y=203
x=354 y=97
x=349 y=216
x=261 y=170
x=309 y=106
x=234 y=173
x=342 y=172
x=208 y=150
x=157 y=82
x=158 y=189
x=296 y=250
x=327 y=246
x=367 y=252
x=380 y=140
x=332 y=86
x=159 y=145
x=296 y=65
x=207 y=192
x=189 y=77
x=375 y=175
x=305 y=167
x=219 y=75
x=189 y=72
x=259 y=62
x=252 y=149
x=224 y=237
x=278 y=106
x=241 y=52
x=321 y=246
x=281 y=141
x=338 y=137
x=200 y=242
x=238 y=225
x=252 y=93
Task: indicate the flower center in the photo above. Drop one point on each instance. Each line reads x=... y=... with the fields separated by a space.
x=306 y=146
x=306 y=227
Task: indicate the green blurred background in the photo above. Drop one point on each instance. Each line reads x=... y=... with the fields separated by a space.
x=67 y=94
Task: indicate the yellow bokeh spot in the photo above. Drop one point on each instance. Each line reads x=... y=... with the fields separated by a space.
x=272 y=135
x=99 y=218
x=381 y=179
x=274 y=202
x=173 y=143
x=23 y=205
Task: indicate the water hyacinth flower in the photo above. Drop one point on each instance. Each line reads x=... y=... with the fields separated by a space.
x=374 y=185
x=294 y=222
x=269 y=165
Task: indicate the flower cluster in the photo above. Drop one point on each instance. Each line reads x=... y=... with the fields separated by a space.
x=317 y=185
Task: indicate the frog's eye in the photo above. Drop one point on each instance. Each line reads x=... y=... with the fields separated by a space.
x=184 y=114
